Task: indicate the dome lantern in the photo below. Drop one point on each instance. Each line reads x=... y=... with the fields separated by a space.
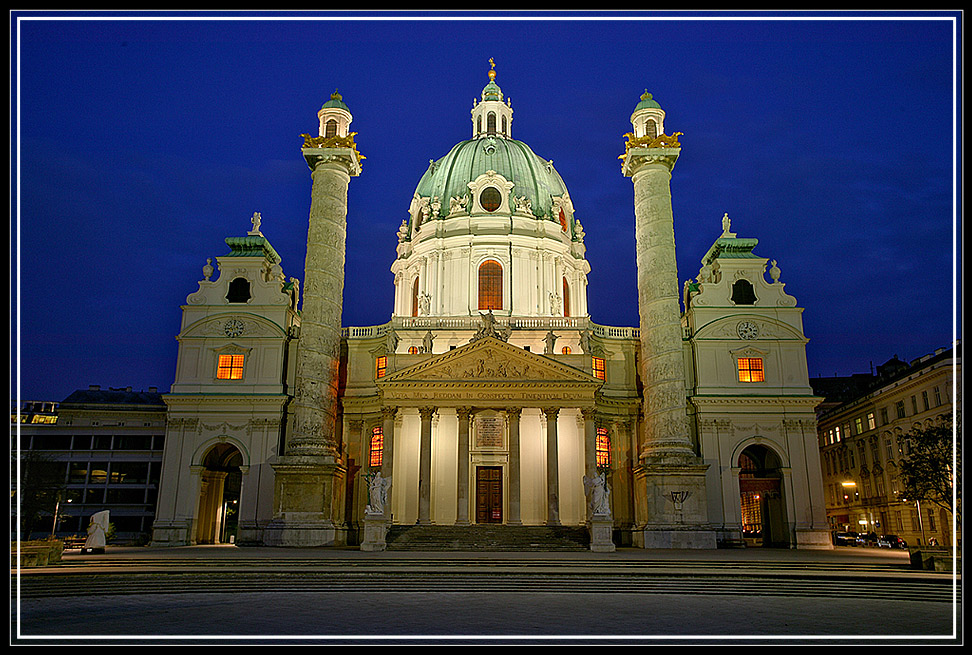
x=490 y=117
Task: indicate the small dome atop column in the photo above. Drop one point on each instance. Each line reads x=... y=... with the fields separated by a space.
x=648 y=118
x=335 y=117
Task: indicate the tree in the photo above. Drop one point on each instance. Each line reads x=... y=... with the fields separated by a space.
x=41 y=483
x=929 y=473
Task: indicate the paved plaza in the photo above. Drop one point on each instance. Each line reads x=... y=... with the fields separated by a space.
x=220 y=594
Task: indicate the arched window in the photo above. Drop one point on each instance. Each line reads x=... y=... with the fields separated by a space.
x=415 y=297
x=651 y=130
x=376 y=448
x=563 y=220
x=490 y=123
x=566 y=298
x=602 y=450
x=239 y=290
x=490 y=285
x=504 y=125
x=479 y=125
x=743 y=293
x=330 y=128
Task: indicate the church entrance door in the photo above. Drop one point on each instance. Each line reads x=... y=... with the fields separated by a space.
x=489 y=494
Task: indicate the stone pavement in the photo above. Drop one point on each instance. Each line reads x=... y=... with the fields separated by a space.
x=224 y=594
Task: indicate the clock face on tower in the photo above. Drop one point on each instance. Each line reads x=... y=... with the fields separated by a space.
x=747 y=330
x=233 y=327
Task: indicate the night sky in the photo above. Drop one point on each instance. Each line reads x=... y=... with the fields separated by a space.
x=140 y=145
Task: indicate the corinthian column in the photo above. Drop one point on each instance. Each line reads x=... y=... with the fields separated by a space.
x=308 y=478
x=674 y=476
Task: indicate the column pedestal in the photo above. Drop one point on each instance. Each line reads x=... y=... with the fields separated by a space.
x=602 y=533
x=675 y=506
x=375 y=526
x=303 y=491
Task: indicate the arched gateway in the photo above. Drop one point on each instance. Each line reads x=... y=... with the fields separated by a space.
x=761 y=498
x=219 y=495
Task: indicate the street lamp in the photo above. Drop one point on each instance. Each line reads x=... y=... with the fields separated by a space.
x=921 y=523
x=57 y=513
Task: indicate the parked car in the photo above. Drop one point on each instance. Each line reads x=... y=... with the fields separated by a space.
x=868 y=539
x=845 y=539
x=891 y=541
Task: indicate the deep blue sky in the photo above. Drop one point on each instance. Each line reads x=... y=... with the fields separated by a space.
x=143 y=144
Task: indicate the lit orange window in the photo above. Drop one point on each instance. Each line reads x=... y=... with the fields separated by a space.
x=602 y=450
x=565 y=350
x=598 y=364
x=381 y=364
x=563 y=220
x=490 y=285
x=377 y=447
x=229 y=367
x=750 y=369
x=566 y=298
x=413 y=350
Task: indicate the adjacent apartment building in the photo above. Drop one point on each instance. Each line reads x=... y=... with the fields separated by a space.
x=863 y=428
x=108 y=444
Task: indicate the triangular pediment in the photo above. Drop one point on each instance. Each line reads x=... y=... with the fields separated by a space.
x=489 y=359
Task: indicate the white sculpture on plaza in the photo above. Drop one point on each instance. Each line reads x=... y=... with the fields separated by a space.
x=97 y=529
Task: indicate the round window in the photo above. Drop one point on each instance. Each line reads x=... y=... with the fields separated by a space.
x=490 y=199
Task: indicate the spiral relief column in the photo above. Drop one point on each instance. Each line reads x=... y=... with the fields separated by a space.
x=674 y=476
x=308 y=478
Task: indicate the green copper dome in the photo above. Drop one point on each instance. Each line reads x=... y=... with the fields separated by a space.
x=533 y=177
x=647 y=102
x=336 y=102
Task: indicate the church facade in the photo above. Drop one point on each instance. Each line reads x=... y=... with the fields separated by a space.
x=491 y=396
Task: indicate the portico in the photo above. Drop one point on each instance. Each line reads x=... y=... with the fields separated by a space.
x=488 y=409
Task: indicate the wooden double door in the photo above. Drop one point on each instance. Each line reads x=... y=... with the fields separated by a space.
x=489 y=494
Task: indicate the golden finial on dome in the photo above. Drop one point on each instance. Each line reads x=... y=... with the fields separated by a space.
x=646 y=95
x=492 y=70
x=336 y=95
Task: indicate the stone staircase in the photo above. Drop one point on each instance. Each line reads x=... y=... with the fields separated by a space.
x=487 y=538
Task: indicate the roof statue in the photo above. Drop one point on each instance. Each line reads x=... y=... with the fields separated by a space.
x=256 y=220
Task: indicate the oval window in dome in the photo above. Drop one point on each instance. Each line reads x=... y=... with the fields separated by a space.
x=490 y=199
